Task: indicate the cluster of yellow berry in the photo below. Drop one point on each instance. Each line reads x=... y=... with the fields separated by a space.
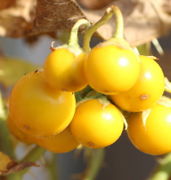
x=42 y=105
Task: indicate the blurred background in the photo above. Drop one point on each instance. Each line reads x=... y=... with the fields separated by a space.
x=144 y=21
x=122 y=160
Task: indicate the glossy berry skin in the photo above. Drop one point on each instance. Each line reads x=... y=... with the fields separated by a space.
x=147 y=90
x=60 y=143
x=111 y=69
x=18 y=134
x=97 y=124
x=64 y=70
x=37 y=109
x=151 y=133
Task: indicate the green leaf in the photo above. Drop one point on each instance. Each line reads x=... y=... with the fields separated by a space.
x=145 y=49
x=12 y=69
x=2 y=109
x=5 y=139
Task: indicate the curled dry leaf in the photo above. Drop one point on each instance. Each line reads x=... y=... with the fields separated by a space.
x=94 y=4
x=144 y=20
x=8 y=166
x=6 y=4
x=17 y=19
x=33 y=17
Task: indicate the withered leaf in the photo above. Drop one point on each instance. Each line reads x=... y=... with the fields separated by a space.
x=94 y=4
x=6 y=4
x=144 y=20
x=5 y=161
x=8 y=166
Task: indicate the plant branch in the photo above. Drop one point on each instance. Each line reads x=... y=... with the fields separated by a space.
x=52 y=167
x=119 y=32
x=94 y=164
x=34 y=154
x=73 y=39
x=113 y=10
x=163 y=170
x=5 y=140
x=88 y=34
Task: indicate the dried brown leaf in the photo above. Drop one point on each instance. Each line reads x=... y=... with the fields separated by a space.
x=94 y=4
x=6 y=4
x=144 y=20
x=16 y=20
x=55 y=15
x=8 y=166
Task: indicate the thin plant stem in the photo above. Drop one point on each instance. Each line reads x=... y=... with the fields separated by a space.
x=163 y=170
x=94 y=164
x=15 y=176
x=5 y=140
x=113 y=10
x=32 y=156
x=119 y=32
x=167 y=85
x=158 y=47
x=52 y=168
x=73 y=39
x=88 y=34
x=145 y=49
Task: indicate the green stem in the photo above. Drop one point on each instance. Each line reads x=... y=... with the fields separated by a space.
x=158 y=47
x=95 y=163
x=73 y=40
x=145 y=49
x=52 y=167
x=6 y=145
x=163 y=170
x=88 y=34
x=15 y=176
x=90 y=94
x=85 y=91
x=5 y=139
x=2 y=109
x=34 y=154
x=167 y=85
x=119 y=32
